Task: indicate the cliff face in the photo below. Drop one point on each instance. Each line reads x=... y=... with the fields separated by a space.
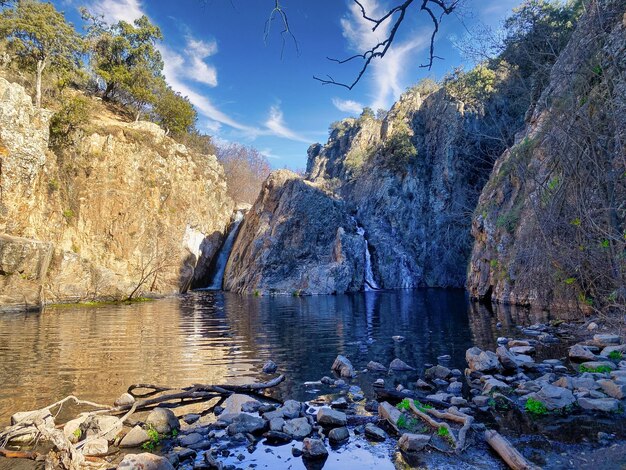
x=549 y=226
x=296 y=239
x=122 y=208
x=411 y=180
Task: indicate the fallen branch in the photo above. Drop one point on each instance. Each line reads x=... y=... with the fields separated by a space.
x=509 y=454
x=18 y=454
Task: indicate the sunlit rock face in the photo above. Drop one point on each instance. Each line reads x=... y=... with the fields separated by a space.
x=296 y=239
x=537 y=221
x=122 y=204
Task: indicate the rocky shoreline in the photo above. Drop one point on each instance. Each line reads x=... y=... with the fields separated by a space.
x=551 y=411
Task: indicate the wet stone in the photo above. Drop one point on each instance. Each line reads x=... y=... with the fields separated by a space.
x=245 y=423
x=399 y=365
x=374 y=432
x=376 y=366
x=330 y=418
x=191 y=418
x=314 y=449
x=270 y=367
x=277 y=438
x=411 y=443
x=608 y=405
x=338 y=435
x=190 y=439
x=298 y=428
x=277 y=424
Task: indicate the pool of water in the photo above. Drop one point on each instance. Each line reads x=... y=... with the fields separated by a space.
x=217 y=337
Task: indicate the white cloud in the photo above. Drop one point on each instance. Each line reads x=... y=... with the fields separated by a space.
x=196 y=52
x=117 y=10
x=267 y=152
x=275 y=123
x=386 y=72
x=348 y=106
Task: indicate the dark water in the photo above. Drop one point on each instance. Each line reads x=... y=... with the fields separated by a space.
x=216 y=337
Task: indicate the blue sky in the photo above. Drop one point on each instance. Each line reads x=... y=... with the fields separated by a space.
x=258 y=93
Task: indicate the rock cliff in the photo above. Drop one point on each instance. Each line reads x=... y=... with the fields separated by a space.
x=296 y=239
x=549 y=226
x=122 y=210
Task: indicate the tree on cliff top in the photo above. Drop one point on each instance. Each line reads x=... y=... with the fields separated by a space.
x=174 y=112
x=41 y=38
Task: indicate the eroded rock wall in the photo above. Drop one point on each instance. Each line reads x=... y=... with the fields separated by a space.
x=296 y=239
x=549 y=226
x=123 y=207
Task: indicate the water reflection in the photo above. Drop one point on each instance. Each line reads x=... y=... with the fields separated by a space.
x=213 y=337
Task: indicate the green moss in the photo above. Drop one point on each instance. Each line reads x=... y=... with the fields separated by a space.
x=442 y=431
x=405 y=405
x=154 y=441
x=69 y=214
x=616 y=355
x=597 y=370
x=535 y=407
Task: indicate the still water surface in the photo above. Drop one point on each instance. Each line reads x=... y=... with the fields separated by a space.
x=217 y=337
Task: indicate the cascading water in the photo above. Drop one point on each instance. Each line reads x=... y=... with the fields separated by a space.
x=369 y=284
x=219 y=265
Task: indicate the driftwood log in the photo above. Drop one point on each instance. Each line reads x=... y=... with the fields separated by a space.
x=451 y=415
x=507 y=452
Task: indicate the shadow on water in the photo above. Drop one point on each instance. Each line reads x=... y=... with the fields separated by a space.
x=214 y=337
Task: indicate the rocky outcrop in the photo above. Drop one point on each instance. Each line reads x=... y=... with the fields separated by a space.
x=549 y=226
x=121 y=208
x=411 y=181
x=297 y=238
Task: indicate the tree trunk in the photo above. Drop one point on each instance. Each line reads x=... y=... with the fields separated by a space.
x=41 y=65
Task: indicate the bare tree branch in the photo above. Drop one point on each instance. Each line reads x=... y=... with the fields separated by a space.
x=436 y=10
x=279 y=12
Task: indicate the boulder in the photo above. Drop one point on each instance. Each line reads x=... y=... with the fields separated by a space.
x=399 y=365
x=314 y=449
x=438 y=372
x=124 y=399
x=553 y=397
x=592 y=366
x=163 y=420
x=376 y=366
x=411 y=443
x=245 y=423
x=144 y=461
x=374 y=432
x=96 y=425
x=606 y=339
x=482 y=361
x=189 y=440
x=277 y=437
x=389 y=412
x=492 y=385
x=608 y=405
x=291 y=409
x=579 y=352
x=343 y=367
x=71 y=429
x=98 y=446
x=337 y=435
x=135 y=437
x=330 y=418
x=270 y=367
x=613 y=389
x=298 y=428
x=276 y=424
x=609 y=349
x=233 y=404
x=523 y=350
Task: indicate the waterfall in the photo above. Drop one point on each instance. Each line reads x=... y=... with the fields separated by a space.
x=218 y=265
x=369 y=284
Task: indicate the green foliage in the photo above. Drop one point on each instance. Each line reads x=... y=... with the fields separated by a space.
x=73 y=115
x=597 y=370
x=401 y=421
x=616 y=355
x=174 y=112
x=41 y=39
x=154 y=441
x=535 y=407
x=367 y=113
x=473 y=87
x=399 y=151
x=77 y=433
x=53 y=185
x=442 y=431
x=198 y=142
x=405 y=405
x=68 y=214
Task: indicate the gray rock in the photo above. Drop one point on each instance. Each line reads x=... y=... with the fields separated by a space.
x=371 y=406
x=233 y=404
x=337 y=435
x=298 y=428
x=423 y=384
x=374 y=432
x=291 y=409
x=124 y=399
x=270 y=367
x=594 y=365
x=607 y=339
x=327 y=380
x=183 y=454
x=438 y=371
x=578 y=352
x=245 y=423
x=144 y=461
x=379 y=383
x=96 y=425
x=553 y=398
x=277 y=424
x=481 y=400
x=314 y=449
x=340 y=403
x=411 y=443
x=97 y=446
x=458 y=401
x=609 y=405
x=482 y=361
x=609 y=349
x=343 y=367
x=389 y=412
x=613 y=389
x=190 y=439
x=523 y=350
x=277 y=437
x=455 y=388
x=330 y=418
x=135 y=437
x=191 y=418
x=492 y=385
x=376 y=366
x=399 y=365
x=163 y=420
